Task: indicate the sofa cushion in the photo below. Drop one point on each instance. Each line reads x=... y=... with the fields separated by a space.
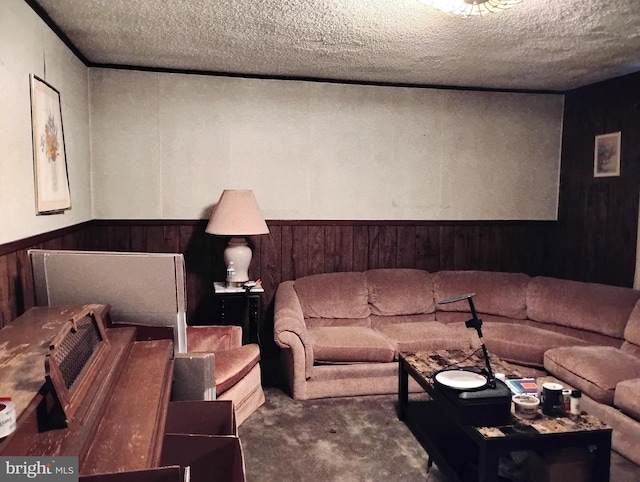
x=337 y=344
x=333 y=295
x=319 y=322
x=400 y=291
x=502 y=294
x=424 y=336
x=632 y=328
x=587 y=306
x=631 y=349
x=447 y=317
x=233 y=365
x=627 y=397
x=596 y=370
x=521 y=344
x=377 y=321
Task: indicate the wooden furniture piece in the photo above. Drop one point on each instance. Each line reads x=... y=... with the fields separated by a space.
x=249 y=301
x=464 y=452
x=102 y=394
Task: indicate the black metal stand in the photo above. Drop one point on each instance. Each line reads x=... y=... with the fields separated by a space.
x=476 y=323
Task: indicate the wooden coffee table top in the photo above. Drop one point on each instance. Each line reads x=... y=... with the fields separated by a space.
x=427 y=364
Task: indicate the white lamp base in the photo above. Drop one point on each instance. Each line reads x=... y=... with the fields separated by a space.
x=238 y=252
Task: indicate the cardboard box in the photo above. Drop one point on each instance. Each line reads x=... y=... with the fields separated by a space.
x=210 y=458
x=216 y=417
x=564 y=465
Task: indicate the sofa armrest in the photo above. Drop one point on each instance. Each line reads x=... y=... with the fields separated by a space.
x=288 y=321
x=213 y=338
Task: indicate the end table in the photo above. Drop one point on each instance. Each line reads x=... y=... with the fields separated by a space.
x=251 y=319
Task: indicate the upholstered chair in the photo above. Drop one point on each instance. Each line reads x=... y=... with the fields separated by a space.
x=235 y=371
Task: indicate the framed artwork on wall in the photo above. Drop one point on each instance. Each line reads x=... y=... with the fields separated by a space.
x=49 y=156
x=606 y=155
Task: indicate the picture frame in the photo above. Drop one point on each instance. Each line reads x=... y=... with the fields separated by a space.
x=51 y=177
x=606 y=155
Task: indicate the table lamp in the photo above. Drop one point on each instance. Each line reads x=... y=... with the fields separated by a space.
x=237 y=215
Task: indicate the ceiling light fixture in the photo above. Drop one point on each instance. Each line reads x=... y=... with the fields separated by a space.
x=471 y=8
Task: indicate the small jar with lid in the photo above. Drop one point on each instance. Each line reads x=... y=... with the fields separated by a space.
x=576 y=396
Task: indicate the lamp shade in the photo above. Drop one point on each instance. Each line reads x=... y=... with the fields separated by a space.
x=237 y=214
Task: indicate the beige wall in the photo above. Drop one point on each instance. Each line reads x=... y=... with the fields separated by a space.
x=168 y=144
x=28 y=46
x=157 y=145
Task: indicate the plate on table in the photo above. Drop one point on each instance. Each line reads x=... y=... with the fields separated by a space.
x=460 y=379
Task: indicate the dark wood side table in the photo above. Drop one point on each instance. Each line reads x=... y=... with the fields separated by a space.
x=251 y=319
x=465 y=452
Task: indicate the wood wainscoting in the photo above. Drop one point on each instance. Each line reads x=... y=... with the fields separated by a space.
x=292 y=249
x=598 y=216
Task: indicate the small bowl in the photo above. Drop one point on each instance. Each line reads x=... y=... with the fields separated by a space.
x=526 y=406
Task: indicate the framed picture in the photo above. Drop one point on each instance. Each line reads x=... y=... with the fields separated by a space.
x=606 y=156
x=49 y=156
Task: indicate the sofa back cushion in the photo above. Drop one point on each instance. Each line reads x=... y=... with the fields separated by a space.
x=333 y=295
x=502 y=294
x=400 y=292
x=632 y=331
x=588 y=306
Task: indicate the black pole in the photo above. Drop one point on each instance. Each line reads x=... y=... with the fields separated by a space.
x=477 y=323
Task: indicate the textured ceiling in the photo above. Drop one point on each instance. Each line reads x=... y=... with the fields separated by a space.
x=537 y=45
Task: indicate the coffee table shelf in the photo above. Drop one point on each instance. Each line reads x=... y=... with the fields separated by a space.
x=464 y=452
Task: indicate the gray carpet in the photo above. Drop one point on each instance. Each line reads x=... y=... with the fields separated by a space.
x=354 y=439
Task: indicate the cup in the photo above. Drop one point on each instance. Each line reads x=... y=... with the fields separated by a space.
x=525 y=406
x=552 y=399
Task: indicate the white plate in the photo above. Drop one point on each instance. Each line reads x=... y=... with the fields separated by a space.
x=460 y=379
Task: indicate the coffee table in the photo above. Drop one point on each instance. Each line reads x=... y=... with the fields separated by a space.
x=465 y=452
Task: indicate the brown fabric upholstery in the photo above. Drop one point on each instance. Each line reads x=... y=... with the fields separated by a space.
x=587 y=306
x=502 y=294
x=233 y=365
x=596 y=370
x=632 y=329
x=448 y=317
x=626 y=431
x=522 y=344
x=321 y=322
x=592 y=337
x=400 y=292
x=213 y=338
x=237 y=371
x=379 y=321
x=627 y=397
x=350 y=344
x=333 y=295
x=247 y=395
x=424 y=336
x=631 y=349
x=563 y=317
x=289 y=324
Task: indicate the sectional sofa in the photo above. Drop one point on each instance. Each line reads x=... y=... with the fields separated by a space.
x=340 y=333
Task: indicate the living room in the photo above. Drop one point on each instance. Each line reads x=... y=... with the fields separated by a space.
x=344 y=172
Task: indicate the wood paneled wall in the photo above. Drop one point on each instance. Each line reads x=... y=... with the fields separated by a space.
x=294 y=249
x=598 y=217
x=16 y=281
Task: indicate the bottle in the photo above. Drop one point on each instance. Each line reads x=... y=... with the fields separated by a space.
x=576 y=395
x=231 y=272
x=566 y=401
